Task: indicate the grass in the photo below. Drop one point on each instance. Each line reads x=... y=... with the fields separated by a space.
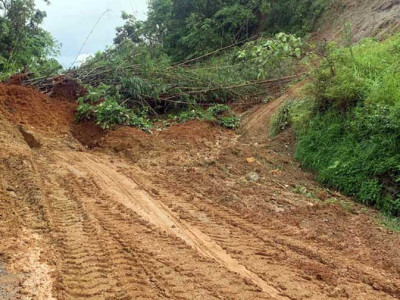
x=390 y=222
x=348 y=131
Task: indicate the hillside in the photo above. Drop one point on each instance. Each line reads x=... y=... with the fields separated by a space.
x=149 y=187
x=369 y=18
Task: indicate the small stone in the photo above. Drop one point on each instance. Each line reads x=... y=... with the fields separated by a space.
x=10 y=189
x=275 y=172
x=13 y=194
x=253 y=177
x=376 y=286
x=322 y=195
x=251 y=160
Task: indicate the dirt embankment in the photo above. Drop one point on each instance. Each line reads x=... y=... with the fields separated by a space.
x=192 y=211
x=26 y=106
x=368 y=18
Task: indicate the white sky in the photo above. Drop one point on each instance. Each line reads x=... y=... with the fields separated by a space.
x=70 y=21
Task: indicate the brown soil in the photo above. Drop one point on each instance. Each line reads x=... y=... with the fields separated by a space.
x=368 y=18
x=189 y=212
x=26 y=106
x=66 y=88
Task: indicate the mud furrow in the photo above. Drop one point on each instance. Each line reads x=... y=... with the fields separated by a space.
x=115 y=217
x=125 y=190
x=92 y=278
x=253 y=237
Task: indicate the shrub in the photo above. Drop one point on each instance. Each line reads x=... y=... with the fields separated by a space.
x=273 y=55
x=348 y=132
x=106 y=111
x=219 y=114
x=294 y=113
x=230 y=122
x=281 y=119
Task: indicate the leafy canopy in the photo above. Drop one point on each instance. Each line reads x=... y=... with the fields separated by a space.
x=188 y=28
x=24 y=45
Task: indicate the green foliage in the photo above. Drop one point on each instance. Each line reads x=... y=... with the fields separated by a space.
x=352 y=140
x=230 y=122
x=273 y=54
x=145 y=78
x=106 y=108
x=294 y=113
x=140 y=72
x=219 y=114
x=84 y=111
x=281 y=119
x=193 y=114
x=295 y=16
x=24 y=45
x=390 y=222
x=218 y=110
x=188 y=28
x=107 y=111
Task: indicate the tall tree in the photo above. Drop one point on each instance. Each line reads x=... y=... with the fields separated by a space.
x=23 y=43
x=186 y=28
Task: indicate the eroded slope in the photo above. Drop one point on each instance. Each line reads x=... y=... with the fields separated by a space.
x=191 y=212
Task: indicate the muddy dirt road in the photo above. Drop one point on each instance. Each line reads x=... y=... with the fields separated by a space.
x=177 y=215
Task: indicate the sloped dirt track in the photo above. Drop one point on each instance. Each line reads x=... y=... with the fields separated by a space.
x=174 y=216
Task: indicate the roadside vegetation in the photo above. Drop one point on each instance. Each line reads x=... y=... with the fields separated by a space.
x=348 y=128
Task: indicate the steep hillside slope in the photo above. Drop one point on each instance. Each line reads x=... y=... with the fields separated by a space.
x=376 y=18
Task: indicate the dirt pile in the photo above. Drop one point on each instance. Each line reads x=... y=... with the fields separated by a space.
x=28 y=107
x=66 y=88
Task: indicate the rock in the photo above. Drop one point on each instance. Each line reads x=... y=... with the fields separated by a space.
x=13 y=194
x=322 y=195
x=10 y=189
x=251 y=160
x=275 y=172
x=338 y=292
x=253 y=177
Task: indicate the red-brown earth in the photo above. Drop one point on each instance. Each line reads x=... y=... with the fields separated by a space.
x=192 y=211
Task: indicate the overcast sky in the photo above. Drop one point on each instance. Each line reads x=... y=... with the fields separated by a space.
x=70 y=22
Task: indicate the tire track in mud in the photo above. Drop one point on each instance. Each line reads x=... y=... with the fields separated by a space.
x=83 y=271
x=129 y=195
x=121 y=238
x=106 y=251
x=268 y=248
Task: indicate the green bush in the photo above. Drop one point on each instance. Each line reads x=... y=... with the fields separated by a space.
x=282 y=119
x=104 y=107
x=273 y=55
x=294 y=113
x=219 y=114
x=106 y=110
x=352 y=139
x=230 y=122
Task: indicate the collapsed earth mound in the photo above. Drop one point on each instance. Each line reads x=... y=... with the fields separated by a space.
x=26 y=106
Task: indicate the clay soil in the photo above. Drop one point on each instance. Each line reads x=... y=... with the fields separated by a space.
x=188 y=212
